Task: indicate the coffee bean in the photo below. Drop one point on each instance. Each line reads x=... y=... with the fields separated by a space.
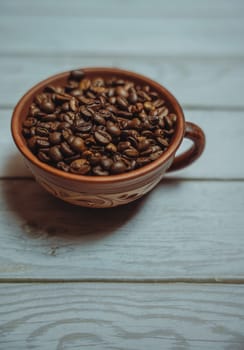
x=98 y=170
x=111 y=148
x=106 y=163
x=55 y=154
x=40 y=131
x=55 y=138
x=85 y=84
x=77 y=75
x=77 y=144
x=80 y=166
x=131 y=152
x=98 y=118
x=149 y=106
x=29 y=122
x=118 y=167
x=63 y=166
x=47 y=106
x=66 y=149
x=42 y=142
x=123 y=145
x=122 y=102
x=113 y=129
x=102 y=137
x=120 y=91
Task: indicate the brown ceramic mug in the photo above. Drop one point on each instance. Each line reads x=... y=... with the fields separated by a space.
x=112 y=190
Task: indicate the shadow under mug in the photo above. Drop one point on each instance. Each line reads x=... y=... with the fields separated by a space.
x=112 y=190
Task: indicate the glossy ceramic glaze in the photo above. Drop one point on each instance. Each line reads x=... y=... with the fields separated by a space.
x=112 y=190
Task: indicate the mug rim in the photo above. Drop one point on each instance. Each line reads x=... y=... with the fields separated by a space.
x=148 y=168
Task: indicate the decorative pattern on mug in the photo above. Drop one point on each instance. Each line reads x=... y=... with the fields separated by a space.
x=94 y=201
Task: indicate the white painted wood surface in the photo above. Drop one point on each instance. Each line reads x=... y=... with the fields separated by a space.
x=197 y=82
x=189 y=229
x=122 y=316
x=161 y=237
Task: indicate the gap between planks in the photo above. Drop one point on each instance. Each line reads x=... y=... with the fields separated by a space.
x=232 y=281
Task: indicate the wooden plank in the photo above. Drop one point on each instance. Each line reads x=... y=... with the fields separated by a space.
x=121 y=316
x=167 y=36
x=180 y=230
x=116 y=8
x=224 y=132
x=194 y=81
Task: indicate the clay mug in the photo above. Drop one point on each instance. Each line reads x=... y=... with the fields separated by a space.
x=111 y=190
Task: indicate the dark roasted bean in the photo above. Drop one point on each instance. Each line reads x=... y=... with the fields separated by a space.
x=77 y=74
x=63 y=166
x=98 y=170
x=122 y=102
x=40 y=131
x=42 y=142
x=77 y=143
x=111 y=148
x=43 y=157
x=112 y=128
x=55 y=138
x=118 y=167
x=47 y=106
x=66 y=149
x=55 y=154
x=80 y=166
x=131 y=152
x=106 y=163
x=102 y=137
x=29 y=122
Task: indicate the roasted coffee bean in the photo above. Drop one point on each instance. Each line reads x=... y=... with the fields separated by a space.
x=85 y=84
x=98 y=170
x=29 y=122
x=118 y=167
x=106 y=163
x=47 y=106
x=77 y=144
x=55 y=138
x=98 y=118
x=42 y=142
x=131 y=152
x=63 y=126
x=120 y=91
x=47 y=117
x=77 y=75
x=111 y=148
x=149 y=106
x=123 y=145
x=94 y=126
x=80 y=166
x=63 y=166
x=122 y=102
x=43 y=157
x=40 y=131
x=113 y=129
x=102 y=137
x=55 y=154
x=66 y=149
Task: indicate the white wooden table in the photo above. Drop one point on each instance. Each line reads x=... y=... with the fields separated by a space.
x=167 y=271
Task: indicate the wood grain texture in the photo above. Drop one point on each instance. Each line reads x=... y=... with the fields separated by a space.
x=167 y=36
x=180 y=230
x=118 y=316
x=196 y=82
x=116 y=8
x=220 y=160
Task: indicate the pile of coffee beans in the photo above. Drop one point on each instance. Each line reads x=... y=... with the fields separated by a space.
x=97 y=126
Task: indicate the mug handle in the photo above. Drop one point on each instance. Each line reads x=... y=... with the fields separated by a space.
x=195 y=134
